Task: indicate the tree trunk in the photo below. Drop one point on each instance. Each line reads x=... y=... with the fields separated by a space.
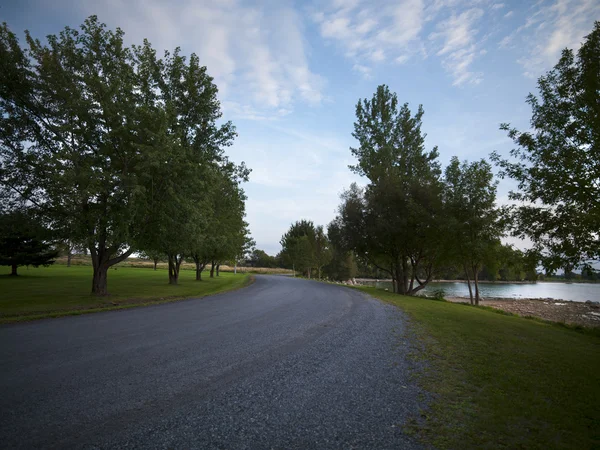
x=308 y=273
x=69 y=256
x=404 y=276
x=218 y=266
x=199 y=271
x=174 y=265
x=469 y=284
x=476 y=277
x=100 y=280
x=101 y=262
x=319 y=272
x=235 y=268
x=13 y=271
x=212 y=269
x=400 y=280
x=100 y=276
x=155 y=263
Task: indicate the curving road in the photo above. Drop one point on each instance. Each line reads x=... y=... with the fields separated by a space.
x=284 y=363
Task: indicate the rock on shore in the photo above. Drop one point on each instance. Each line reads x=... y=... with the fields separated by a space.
x=576 y=313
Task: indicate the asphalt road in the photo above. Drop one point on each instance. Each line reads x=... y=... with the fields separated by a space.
x=285 y=363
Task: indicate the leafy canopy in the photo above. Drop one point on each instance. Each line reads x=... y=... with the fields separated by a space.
x=557 y=163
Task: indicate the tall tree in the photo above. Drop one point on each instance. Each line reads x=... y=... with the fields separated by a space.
x=23 y=242
x=472 y=217
x=185 y=197
x=225 y=233
x=557 y=163
x=74 y=155
x=109 y=140
x=393 y=222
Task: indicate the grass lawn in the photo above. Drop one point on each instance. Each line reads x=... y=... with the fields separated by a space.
x=502 y=381
x=59 y=290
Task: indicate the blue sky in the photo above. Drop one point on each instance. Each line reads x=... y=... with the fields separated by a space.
x=290 y=74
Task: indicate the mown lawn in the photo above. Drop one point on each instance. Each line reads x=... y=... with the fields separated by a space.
x=60 y=290
x=502 y=381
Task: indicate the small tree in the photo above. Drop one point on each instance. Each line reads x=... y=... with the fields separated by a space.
x=342 y=265
x=557 y=164
x=154 y=256
x=322 y=251
x=298 y=246
x=472 y=218
x=22 y=242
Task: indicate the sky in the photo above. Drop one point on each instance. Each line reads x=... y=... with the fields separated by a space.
x=290 y=74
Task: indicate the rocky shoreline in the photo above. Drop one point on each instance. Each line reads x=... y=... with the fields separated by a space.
x=575 y=313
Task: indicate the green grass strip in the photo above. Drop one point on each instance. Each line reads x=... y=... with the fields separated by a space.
x=501 y=381
x=59 y=290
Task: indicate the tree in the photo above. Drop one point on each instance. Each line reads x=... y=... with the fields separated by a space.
x=472 y=217
x=245 y=245
x=225 y=234
x=321 y=250
x=259 y=258
x=22 y=242
x=110 y=142
x=67 y=248
x=393 y=222
x=191 y=199
x=557 y=163
x=298 y=246
x=342 y=265
x=74 y=137
x=154 y=256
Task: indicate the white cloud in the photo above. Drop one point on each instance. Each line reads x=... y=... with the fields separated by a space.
x=548 y=29
x=363 y=70
x=459 y=45
x=372 y=31
x=379 y=31
x=508 y=14
x=257 y=54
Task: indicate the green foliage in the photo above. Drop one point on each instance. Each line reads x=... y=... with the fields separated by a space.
x=394 y=222
x=473 y=226
x=259 y=258
x=118 y=149
x=66 y=100
x=225 y=234
x=557 y=164
x=196 y=200
x=298 y=246
x=439 y=294
x=390 y=140
x=342 y=265
x=321 y=250
x=23 y=242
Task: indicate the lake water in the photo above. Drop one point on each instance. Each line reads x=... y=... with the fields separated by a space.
x=578 y=292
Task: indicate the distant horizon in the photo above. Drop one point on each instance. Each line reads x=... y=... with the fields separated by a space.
x=290 y=74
